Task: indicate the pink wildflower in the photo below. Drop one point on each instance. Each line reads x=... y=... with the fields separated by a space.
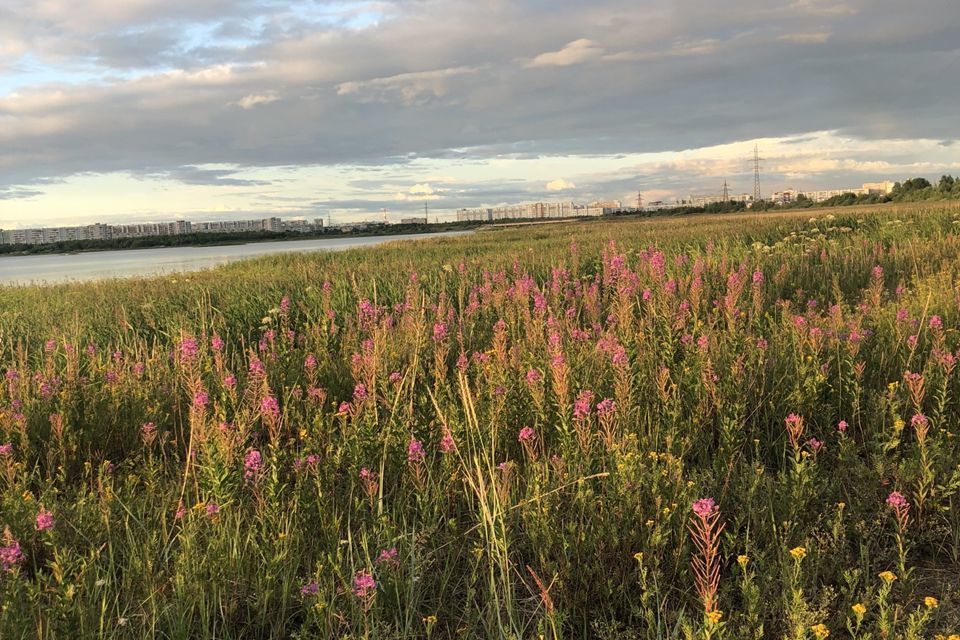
x=527 y=434
x=310 y=589
x=606 y=406
x=270 y=408
x=389 y=557
x=583 y=404
x=252 y=465
x=188 y=349
x=415 y=452
x=897 y=500
x=10 y=556
x=447 y=443
x=45 y=520
x=705 y=507
x=200 y=399
x=363 y=584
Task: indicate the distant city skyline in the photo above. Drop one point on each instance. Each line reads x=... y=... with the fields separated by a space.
x=214 y=109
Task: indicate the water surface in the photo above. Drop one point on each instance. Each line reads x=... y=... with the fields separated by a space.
x=96 y=265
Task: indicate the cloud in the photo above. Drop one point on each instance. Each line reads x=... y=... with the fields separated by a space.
x=560 y=185
x=208 y=177
x=420 y=192
x=813 y=37
x=255 y=99
x=408 y=89
x=576 y=52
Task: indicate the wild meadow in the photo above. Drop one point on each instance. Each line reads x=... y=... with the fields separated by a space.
x=712 y=427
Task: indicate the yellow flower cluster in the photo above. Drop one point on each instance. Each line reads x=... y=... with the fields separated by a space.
x=714 y=616
x=799 y=553
x=859 y=609
x=930 y=602
x=820 y=631
x=888 y=576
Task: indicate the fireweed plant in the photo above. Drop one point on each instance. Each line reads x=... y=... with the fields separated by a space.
x=736 y=426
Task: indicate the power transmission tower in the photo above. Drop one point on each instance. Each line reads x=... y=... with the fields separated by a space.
x=639 y=201
x=384 y=212
x=726 y=192
x=756 y=174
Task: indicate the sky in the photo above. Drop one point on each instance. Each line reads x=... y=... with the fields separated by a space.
x=139 y=110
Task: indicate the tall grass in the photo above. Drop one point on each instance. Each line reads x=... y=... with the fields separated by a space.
x=704 y=427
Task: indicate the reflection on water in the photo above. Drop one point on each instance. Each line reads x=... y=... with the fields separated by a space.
x=140 y=262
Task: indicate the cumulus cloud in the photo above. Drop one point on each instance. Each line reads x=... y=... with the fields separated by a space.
x=420 y=192
x=560 y=185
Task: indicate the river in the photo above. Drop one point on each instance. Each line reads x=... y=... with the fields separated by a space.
x=96 y=265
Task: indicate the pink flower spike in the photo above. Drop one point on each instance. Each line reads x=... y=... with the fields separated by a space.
x=45 y=520
x=705 y=507
x=363 y=584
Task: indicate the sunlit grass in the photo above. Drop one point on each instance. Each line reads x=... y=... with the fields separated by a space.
x=737 y=426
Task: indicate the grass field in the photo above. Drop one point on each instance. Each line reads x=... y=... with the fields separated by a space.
x=740 y=426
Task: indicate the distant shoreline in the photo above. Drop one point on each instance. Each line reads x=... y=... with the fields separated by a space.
x=222 y=239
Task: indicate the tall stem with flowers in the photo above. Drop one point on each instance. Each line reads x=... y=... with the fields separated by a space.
x=705 y=528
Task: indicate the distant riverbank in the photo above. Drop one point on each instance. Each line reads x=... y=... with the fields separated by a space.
x=224 y=239
x=85 y=266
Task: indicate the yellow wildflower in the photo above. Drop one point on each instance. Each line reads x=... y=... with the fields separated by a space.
x=799 y=553
x=742 y=560
x=931 y=603
x=638 y=556
x=714 y=616
x=859 y=609
x=820 y=631
x=888 y=576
